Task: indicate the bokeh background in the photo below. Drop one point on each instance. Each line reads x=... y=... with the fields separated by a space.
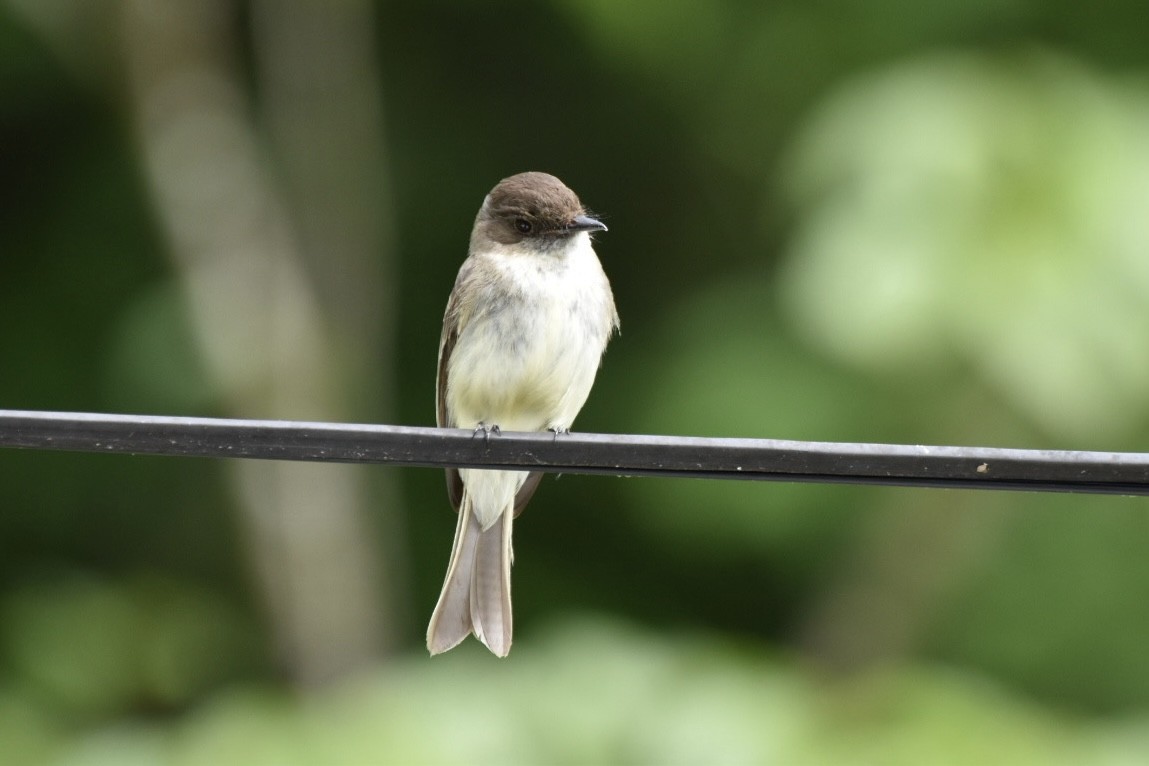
x=886 y=221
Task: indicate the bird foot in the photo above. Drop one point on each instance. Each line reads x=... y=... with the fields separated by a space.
x=487 y=430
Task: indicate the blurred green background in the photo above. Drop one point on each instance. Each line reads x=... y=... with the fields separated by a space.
x=883 y=222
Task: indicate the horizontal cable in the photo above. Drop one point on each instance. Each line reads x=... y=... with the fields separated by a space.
x=685 y=456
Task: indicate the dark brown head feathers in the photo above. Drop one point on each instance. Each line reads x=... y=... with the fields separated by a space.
x=532 y=206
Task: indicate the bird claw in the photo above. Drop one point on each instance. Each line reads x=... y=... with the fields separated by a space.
x=486 y=431
x=559 y=431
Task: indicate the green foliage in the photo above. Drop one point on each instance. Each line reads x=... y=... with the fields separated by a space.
x=594 y=692
x=987 y=210
x=94 y=650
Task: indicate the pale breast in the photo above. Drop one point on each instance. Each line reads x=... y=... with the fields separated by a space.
x=527 y=358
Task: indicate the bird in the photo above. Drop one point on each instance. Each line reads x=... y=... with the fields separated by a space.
x=524 y=332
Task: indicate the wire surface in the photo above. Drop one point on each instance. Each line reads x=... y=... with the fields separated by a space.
x=682 y=456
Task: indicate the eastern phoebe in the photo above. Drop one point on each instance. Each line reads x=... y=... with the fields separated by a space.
x=523 y=334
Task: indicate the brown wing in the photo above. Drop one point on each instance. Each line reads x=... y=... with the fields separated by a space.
x=442 y=417
x=454 y=481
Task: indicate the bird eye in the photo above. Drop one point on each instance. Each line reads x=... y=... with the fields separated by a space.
x=523 y=225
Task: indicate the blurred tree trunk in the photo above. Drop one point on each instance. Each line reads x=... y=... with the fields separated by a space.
x=290 y=310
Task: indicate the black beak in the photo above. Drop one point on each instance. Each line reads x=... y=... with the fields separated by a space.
x=585 y=223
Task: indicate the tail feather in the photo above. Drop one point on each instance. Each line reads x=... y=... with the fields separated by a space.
x=476 y=596
x=491 y=587
x=451 y=620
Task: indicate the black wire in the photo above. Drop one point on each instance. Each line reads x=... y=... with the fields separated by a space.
x=683 y=456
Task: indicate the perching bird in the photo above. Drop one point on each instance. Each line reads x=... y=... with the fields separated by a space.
x=523 y=335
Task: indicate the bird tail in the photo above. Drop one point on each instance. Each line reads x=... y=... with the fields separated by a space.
x=476 y=595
